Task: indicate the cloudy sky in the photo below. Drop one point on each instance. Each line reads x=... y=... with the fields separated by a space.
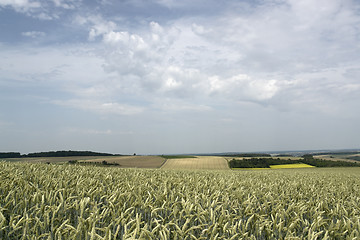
x=167 y=76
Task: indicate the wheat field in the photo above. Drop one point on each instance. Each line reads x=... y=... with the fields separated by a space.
x=49 y=201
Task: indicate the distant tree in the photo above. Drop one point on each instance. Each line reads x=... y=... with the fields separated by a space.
x=66 y=154
x=10 y=155
x=308 y=156
x=257 y=155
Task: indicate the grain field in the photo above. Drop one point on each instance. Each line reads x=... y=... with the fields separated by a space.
x=200 y=162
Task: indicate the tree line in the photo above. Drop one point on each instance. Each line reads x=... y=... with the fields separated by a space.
x=307 y=159
x=254 y=155
x=54 y=154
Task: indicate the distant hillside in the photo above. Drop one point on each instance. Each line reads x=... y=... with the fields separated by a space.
x=246 y=155
x=234 y=154
x=294 y=153
x=337 y=153
x=54 y=154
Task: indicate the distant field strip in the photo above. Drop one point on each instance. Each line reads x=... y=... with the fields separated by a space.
x=200 y=162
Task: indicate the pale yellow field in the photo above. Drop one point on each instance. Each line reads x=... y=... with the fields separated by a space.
x=200 y=162
x=295 y=165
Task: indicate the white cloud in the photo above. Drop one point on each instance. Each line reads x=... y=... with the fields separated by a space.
x=242 y=87
x=21 y=5
x=33 y=34
x=177 y=105
x=256 y=56
x=41 y=9
x=65 y=65
x=116 y=37
x=101 y=107
x=98 y=26
x=88 y=131
x=212 y=65
x=46 y=16
x=199 y=29
x=281 y=36
x=98 y=132
x=65 y=4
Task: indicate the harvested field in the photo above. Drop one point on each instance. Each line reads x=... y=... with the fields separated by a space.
x=133 y=161
x=200 y=162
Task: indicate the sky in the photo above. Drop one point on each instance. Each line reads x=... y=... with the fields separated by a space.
x=167 y=76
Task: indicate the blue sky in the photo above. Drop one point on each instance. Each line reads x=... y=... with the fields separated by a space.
x=166 y=76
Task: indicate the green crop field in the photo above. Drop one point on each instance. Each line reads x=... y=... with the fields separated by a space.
x=50 y=201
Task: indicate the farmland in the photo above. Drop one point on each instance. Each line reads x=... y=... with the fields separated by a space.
x=295 y=165
x=349 y=157
x=133 y=161
x=52 y=201
x=165 y=162
x=178 y=162
x=122 y=161
x=199 y=162
x=306 y=160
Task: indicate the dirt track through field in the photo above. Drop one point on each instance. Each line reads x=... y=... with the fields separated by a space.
x=200 y=162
